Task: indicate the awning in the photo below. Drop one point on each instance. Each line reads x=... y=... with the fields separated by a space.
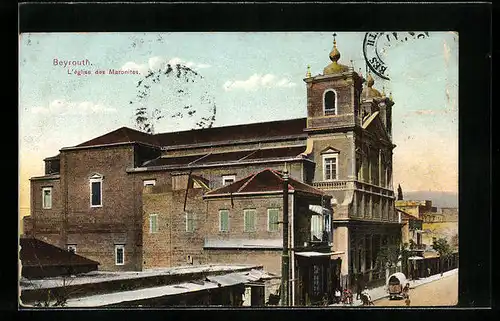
x=415 y=258
x=318 y=209
x=318 y=254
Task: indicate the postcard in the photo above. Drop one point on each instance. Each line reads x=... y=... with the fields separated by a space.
x=238 y=169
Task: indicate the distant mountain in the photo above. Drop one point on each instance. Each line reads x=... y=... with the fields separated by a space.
x=439 y=199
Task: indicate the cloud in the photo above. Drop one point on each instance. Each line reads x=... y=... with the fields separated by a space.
x=257 y=81
x=159 y=63
x=142 y=69
x=62 y=107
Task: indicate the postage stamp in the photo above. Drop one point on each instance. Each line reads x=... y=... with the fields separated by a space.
x=238 y=169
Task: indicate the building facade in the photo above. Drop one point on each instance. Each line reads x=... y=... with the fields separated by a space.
x=442 y=224
x=102 y=195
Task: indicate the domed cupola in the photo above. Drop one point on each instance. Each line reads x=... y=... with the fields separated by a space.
x=334 y=67
x=369 y=92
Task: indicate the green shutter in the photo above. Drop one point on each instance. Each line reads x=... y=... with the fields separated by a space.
x=273 y=217
x=153 y=223
x=249 y=217
x=224 y=220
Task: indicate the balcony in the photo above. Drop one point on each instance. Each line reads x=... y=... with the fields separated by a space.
x=337 y=185
x=340 y=185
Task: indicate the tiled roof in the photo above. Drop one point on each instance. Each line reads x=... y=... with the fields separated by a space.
x=264 y=181
x=121 y=135
x=236 y=132
x=280 y=128
x=36 y=253
x=233 y=156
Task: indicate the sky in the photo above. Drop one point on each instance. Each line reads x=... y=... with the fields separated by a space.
x=250 y=76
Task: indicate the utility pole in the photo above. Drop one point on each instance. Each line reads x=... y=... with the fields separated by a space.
x=285 y=260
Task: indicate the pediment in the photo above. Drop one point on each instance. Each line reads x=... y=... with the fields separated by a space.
x=96 y=176
x=330 y=150
x=374 y=125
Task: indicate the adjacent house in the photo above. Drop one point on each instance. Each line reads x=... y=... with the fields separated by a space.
x=126 y=196
x=441 y=224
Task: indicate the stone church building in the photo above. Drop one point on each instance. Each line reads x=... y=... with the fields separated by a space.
x=111 y=198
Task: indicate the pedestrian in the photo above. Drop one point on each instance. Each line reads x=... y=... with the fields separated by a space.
x=428 y=271
x=406 y=294
x=365 y=297
x=337 y=296
x=359 y=285
x=325 y=299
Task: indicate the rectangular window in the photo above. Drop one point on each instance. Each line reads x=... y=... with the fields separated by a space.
x=149 y=182
x=272 y=219
x=72 y=248
x=228 y=179
x=47 y=197
x=330 y=165
x=249 y=220
x=119 y=254
x=190 y=222
x=223 y=220
x=96 y=192
x=153 y=223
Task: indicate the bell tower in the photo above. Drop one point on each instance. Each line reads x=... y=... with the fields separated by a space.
x=333 y=96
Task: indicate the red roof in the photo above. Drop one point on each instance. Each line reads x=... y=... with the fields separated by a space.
x=36 y=253
x=279 y=128
x=267 y=180
x=232 y=156
x=121 y=135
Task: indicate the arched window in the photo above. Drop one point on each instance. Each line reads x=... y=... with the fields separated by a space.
x=330 y=102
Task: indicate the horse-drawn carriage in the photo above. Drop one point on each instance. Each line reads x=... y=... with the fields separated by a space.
x=397 y=286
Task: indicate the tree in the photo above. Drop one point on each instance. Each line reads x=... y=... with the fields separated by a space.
x=400 y=193
x=454 y=241
x=442 y=246
x=390 y=256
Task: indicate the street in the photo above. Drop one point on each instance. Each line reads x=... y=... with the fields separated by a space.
x=443 y=292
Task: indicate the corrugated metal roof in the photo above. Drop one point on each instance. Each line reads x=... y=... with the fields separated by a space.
x=210 y=282
x=229 y=279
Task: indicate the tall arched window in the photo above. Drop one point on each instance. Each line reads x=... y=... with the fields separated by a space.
x=330 y=102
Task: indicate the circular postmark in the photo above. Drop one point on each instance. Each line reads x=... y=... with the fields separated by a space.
x=176 y=96
x=376 y=43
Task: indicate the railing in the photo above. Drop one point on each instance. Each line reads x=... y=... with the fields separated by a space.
x=334 y=185
x=339 y=185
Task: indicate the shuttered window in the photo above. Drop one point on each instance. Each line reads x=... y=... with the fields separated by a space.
x=272 y=219
x=224 y=220
x=153 y=223
x=250 y=220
